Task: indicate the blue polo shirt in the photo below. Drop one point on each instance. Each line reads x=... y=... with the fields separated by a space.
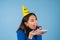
x=22 y=36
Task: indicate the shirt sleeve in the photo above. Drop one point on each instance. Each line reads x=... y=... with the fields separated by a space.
x=20 y=35
x=39 y=37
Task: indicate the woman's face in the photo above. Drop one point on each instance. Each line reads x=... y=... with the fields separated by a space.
x=32 y=22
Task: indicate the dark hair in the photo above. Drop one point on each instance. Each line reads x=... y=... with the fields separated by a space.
x=23 y=26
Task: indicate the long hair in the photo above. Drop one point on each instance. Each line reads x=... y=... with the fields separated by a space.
x=23 y=26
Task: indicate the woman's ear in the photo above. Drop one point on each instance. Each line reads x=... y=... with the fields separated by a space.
x=26 y=24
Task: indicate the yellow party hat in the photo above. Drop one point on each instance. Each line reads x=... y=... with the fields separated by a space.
x=25 y=10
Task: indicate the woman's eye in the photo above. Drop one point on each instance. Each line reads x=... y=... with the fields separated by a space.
x=32 y=20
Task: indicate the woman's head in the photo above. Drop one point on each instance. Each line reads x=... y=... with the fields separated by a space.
x=30 y=21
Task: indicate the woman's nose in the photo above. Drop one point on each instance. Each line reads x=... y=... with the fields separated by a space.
x=35 y=22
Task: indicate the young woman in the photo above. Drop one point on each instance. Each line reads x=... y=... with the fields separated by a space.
x=26 y=30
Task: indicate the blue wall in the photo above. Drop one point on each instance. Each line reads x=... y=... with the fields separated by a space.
x=47 y=11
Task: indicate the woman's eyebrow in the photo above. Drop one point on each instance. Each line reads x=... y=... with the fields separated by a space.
x=33 y=19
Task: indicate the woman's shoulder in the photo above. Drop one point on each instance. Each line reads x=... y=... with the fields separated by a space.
x=20 y=35
x=20 y=31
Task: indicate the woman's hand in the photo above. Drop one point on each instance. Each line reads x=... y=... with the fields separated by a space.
x=32 y=33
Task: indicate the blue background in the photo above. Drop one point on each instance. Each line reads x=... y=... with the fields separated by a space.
x=47 y=11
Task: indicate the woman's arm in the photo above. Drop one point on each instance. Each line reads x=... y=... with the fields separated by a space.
x=39 y=37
